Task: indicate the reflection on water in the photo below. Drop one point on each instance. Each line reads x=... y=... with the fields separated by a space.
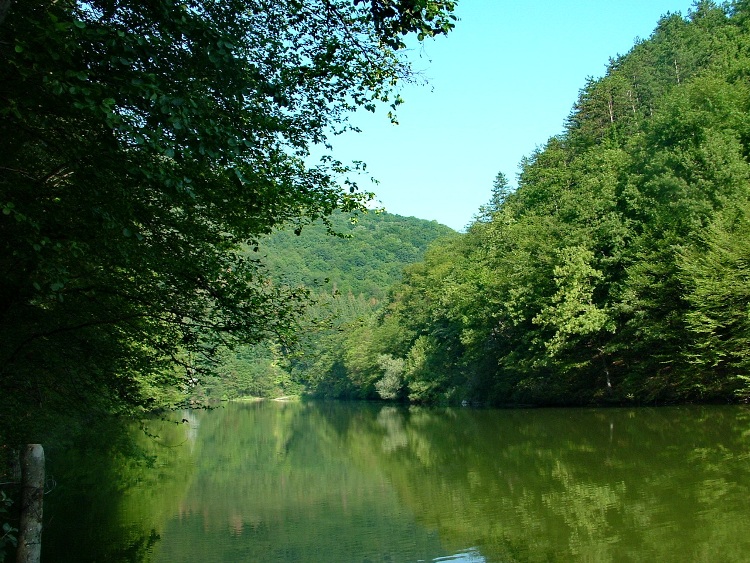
x=470 y=556
x=368 y=483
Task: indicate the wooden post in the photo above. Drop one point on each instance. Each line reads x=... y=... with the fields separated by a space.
x=32 y=495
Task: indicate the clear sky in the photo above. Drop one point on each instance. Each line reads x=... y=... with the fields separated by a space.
x=500 y=85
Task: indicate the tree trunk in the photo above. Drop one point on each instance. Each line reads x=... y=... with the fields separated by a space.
x=4 y=8
x=32 y=495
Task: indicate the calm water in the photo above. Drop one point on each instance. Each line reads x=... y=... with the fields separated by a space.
x=332 y=482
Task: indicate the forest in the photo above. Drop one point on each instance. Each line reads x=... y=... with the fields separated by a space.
x=346 y=278
x=147 y=149
x=165 y=238
x=618 y=271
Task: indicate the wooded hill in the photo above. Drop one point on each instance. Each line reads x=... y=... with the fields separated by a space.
x=618 y=271
x=367 y=258
x=347 y=276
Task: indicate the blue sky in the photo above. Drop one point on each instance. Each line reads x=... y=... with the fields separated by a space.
x=500 y=85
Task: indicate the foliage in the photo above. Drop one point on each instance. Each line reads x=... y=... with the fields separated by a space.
x=389 y=386
x=716 y=279
x=246 y=371
x=348 y=277
x=617 y=270
x=9 y=537
x=366 y=258
x=143 y=148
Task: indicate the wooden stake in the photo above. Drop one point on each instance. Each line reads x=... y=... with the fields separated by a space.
x=32 y=496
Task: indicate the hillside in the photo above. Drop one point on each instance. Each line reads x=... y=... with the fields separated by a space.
x=360 y=266
x=618 y=271
x=370 y=259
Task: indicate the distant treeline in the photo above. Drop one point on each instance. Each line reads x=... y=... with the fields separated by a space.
x=367 y=256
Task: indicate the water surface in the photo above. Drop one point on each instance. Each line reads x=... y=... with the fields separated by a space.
x=337 y=482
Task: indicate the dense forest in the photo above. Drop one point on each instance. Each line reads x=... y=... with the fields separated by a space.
x=615 y=273
x=148 y=153
x=165 y=238
x=365 y=256
x=618 y=271
x=146 y=150
x=345 y=267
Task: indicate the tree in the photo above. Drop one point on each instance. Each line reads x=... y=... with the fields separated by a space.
x=616 y=271
x=500 y=192
x=389 y=386
x=717 y=278
x=143 y=148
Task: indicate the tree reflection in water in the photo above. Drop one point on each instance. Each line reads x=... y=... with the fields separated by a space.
x=361 y=482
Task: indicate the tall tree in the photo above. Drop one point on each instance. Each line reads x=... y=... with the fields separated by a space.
x=501 y=189
x=143 y=146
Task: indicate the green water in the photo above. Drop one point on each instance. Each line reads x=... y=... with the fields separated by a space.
x=333 y=482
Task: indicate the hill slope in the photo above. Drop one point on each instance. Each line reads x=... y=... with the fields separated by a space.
x=360 y=269
x=619 y=270
x=367 y=262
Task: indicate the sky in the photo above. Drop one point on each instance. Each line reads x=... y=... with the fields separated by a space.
x=499 y=86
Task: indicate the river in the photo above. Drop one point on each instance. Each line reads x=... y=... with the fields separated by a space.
x=351 y=482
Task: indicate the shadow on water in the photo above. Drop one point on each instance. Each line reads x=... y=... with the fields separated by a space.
x=98 y=507
x=362 y=482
